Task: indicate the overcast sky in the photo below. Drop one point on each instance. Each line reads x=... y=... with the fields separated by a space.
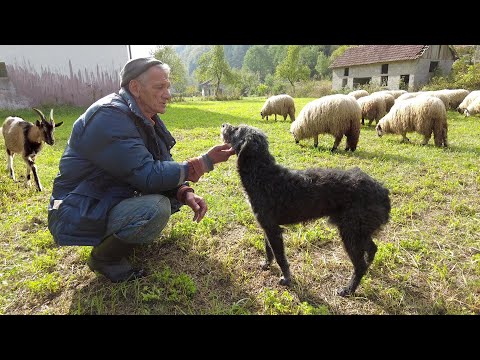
x=142 y=50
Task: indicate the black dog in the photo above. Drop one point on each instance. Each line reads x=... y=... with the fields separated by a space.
x=356 y=203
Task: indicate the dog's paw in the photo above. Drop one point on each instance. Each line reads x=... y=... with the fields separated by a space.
x=344 y=292
x=285 y=281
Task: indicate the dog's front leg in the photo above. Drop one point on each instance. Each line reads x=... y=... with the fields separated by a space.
x=275 y=239
x=269 y=253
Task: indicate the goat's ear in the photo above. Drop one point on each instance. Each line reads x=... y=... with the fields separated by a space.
x=59 y=124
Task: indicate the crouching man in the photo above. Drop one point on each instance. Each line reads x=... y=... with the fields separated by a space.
x=118 y=183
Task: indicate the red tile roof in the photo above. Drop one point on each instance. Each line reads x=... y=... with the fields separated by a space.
x=371 y=54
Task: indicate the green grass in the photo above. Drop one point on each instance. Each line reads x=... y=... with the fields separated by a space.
x=428 y=259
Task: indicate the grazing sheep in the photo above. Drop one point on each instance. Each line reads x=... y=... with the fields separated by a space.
x=423 y=114
x=279 y=104
x=373 y=107
x=357 y=94
x=394 y=93
x=355 y=202
x=473 y=108
x=442 y=96
x=467 y=101
x=337 y=115
x=455 y=96
x=25 y=138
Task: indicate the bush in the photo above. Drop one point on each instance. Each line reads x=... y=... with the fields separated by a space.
x=313 y=88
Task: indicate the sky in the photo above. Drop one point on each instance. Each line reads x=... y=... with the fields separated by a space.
x=141 y=50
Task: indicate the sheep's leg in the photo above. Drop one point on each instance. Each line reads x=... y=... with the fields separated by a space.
x=275 y=117
x=404 y=138
x=426 y=139
x=363 y=120
x=315 y=141
x=10 y=164
x=337 y=142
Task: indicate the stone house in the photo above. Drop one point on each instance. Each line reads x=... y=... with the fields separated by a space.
x=405 y=67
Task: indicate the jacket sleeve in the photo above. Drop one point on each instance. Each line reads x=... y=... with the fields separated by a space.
x=111 y=141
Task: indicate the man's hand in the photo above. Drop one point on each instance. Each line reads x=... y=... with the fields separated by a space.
x=198 y=205
x=220 y=153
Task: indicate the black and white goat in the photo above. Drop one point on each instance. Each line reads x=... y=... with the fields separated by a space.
x=25 y=138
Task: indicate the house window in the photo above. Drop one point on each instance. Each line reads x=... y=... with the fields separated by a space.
x=384 y=68
x=384 y=81
x=433 y=66
x=345 y=72
x=361 y=81
x=404 y=80
x=344 y=83
x=3 y=70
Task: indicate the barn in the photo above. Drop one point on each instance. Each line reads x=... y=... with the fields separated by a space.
x=404 y=67
x=32 y=75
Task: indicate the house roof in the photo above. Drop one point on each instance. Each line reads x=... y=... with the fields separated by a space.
x=371 y=54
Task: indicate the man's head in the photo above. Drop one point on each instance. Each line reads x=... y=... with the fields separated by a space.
x=147 y=79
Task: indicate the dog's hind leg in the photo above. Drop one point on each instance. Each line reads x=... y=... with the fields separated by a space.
x=275 y=239
x=370 y=252
x=356 y=248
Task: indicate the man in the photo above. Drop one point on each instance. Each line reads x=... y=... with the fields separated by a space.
x=118 y=183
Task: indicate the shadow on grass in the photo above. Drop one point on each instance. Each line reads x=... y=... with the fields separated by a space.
x=178 y=282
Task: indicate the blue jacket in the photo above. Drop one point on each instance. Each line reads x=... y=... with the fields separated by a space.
x=114 y=153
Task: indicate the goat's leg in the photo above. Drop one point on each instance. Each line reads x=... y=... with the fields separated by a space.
x=10 y=164
x=31 y=166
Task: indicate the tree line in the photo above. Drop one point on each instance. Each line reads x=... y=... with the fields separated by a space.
x=249 y=70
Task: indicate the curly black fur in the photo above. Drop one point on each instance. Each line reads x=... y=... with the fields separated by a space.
x=356 y=203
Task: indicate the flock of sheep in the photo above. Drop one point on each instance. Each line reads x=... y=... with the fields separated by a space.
x=394 y=111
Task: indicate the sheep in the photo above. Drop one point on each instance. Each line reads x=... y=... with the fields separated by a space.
x=357 y=94
x=473 y=108
x=373 y=107
x=395 y=93
x=25 y=138
x=423 y=114
x=455 y=96
x=438 y=94
x=467 y=101
x=332 y=114
x=279 y=104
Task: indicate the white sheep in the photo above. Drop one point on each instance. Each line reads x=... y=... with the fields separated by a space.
x=455 y=96
x=423 y=114
x=25 y=138
x=337 y=115
x=357 y=94
x=467 y=101
x=394 y=93
x=373 y=107
x=473 y=108
x=438 y=94
x=279 y=105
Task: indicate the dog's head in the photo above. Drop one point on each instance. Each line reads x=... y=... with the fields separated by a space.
x=244 y=137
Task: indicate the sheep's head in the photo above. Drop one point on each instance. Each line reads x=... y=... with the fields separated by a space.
x=261 y=114
x=379 y=130
x=47 y=127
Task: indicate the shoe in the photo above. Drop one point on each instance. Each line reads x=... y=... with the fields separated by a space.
x=109 y=258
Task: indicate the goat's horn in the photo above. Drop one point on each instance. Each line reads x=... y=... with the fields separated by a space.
x=40 y=113
x=51 y=114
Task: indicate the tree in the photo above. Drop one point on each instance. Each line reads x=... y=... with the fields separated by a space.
x=212 y=65
x=323 y=63
x=178 y=73
x=292 y=68
x=258 y=61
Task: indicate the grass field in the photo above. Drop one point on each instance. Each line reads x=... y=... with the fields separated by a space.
x=428 y=259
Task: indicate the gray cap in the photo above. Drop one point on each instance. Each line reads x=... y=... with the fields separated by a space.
x=135 y=67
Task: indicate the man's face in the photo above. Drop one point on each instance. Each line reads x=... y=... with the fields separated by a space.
x=154 y=91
